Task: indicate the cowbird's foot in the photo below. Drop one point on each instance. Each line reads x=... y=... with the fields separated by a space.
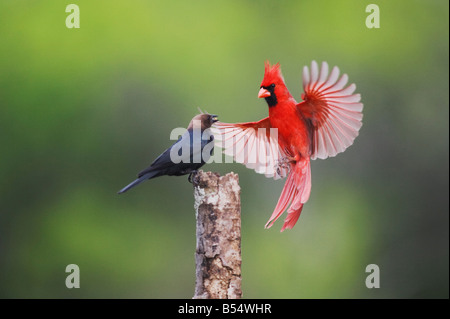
x=192 y=176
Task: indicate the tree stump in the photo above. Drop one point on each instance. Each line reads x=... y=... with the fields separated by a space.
x=218 y=249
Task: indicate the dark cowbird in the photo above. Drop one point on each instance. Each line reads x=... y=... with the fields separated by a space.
x=186 y=155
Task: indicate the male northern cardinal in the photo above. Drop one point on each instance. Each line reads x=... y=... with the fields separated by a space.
x=324 y=124
x=186 y=155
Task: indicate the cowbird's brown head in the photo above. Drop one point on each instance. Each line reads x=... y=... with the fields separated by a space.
x=205 y=120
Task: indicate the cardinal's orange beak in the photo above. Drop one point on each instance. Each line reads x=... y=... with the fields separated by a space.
x=263 y=93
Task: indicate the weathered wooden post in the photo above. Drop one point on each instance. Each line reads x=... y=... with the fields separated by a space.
x=218 y=250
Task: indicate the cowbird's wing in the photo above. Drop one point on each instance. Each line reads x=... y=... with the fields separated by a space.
x=184 y=155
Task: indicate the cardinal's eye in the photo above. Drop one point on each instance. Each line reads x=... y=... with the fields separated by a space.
x=272 y=85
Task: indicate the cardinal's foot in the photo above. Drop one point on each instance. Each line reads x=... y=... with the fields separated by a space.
x=283 y=164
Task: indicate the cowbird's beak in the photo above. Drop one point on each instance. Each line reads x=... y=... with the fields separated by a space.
x=214 y=118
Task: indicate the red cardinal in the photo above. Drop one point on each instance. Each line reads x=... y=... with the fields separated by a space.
x=324 y=124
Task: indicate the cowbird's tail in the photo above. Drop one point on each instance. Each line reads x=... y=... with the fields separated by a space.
x=138 y=181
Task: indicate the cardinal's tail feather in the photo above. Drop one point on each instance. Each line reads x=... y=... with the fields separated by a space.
x=138 y=181
x=288 y=193
x=295 y=193
x=292 y=217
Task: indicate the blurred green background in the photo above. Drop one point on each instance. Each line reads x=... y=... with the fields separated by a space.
x=83 y=110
